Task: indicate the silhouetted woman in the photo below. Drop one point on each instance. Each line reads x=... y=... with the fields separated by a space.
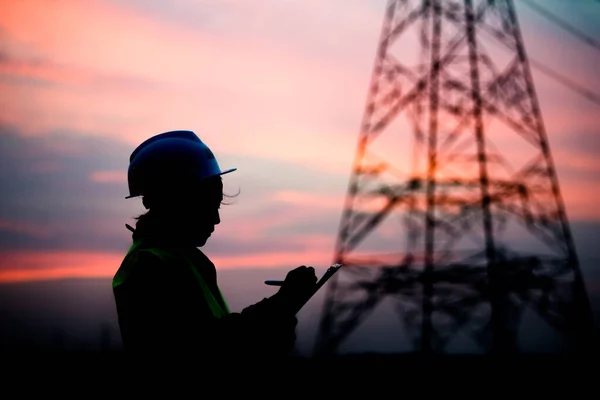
x=166 y=291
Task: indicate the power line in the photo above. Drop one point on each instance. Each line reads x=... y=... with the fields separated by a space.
x=578 y=34
x=582 y=1
x=577 y=2
x=569 y=83
x=563 y=24
x=566 y=81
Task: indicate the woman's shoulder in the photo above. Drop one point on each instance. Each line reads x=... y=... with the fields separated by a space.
x=151 y=264
x=201 y=257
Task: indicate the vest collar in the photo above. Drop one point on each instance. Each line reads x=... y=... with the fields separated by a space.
x=159 y=232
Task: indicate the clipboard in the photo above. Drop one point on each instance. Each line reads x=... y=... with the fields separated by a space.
x=328 y=274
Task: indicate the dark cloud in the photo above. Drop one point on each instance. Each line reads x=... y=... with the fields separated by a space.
x=50 y=201
x=47 y=187
x=586 y=234
x=4 y=58
x=585 y=143
x=576 y=156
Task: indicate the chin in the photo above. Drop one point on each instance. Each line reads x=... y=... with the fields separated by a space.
x=201 y=242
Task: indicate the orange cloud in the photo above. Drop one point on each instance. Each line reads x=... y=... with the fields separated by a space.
x=108 y=176
x=19 y=266
x=35 y=265
x=586 y=163
x=581 y=200
x=274 y=259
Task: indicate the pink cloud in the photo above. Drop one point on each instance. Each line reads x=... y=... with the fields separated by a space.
x=308 y=200
x=142 y=48
x=108 y=69
x=255 y=223
x=44 y=71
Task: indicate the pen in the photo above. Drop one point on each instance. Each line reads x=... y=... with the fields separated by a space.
x=330 y=271
x=328 y=274
x=272 y=282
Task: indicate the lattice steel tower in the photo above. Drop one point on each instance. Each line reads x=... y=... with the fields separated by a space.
x=453 y=216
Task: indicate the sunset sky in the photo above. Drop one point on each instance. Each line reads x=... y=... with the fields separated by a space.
x=275 y=87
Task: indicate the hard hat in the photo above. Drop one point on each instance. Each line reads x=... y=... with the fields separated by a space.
x=168 y=159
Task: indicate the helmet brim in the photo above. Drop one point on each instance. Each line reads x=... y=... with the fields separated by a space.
x=219 y=174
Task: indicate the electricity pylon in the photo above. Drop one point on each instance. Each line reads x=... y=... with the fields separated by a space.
x=468 y=230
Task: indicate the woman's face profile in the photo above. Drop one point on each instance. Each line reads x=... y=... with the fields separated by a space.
x=199 y=210
x=191 y=208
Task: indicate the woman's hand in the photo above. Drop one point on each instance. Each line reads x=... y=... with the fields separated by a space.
x=298 y=287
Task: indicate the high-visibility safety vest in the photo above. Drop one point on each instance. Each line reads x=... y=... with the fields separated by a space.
x=123 y=272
